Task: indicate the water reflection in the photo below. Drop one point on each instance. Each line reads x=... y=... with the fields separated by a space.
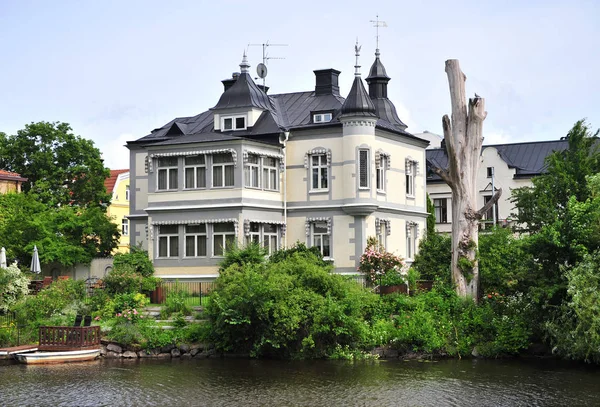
x=219 y=382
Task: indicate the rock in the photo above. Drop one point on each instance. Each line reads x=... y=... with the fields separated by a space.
x=175 y=353
x=102 y=350
x=194 y=352
x=391 y=354
x=112 y=355
x=114 y=348
x=200 y=346
x=475 y=352
x=167 y=348
x=186 y=356
x=184 y=348
x=207 y=353
x=164 y=356
x=130 y=355
x=378 y=351
x=145 y=354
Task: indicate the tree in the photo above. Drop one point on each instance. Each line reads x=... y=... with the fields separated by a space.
x=61 y=168
x=463 y=137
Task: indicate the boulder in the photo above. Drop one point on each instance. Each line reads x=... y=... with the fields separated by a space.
x=194 y=352
x=175 y=353
x=113 y=347
x=112 y=355
x=130 y=355
x=102 y=350
x=164 y=356
x=167 y=348
x=145 y=354
x=186 y=356
x=391 y=354
x=184 y=348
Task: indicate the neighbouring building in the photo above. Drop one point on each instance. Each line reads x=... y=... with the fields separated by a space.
x=308 y=166
x=506 y=166
x=10 y=182
x=117 y=184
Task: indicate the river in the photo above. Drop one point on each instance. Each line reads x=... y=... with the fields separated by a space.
x=240 y=382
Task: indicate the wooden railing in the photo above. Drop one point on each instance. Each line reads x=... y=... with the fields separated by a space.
x=62 y=338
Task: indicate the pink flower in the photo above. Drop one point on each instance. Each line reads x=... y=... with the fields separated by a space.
x=119 y=314
x=97 y=318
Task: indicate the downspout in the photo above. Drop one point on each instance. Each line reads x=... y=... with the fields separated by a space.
x=283 y=138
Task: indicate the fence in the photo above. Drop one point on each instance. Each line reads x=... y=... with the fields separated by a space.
x=193 y=292
x=59 y=338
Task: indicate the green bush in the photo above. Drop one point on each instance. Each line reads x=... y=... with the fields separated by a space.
x=176 y=301
x=126 y=280
x=136 y=258
x=52 y=301
x=434 y=258
x=14 y=285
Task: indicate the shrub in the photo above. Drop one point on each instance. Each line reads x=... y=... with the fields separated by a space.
x=125 y=279
x=434 y=258
x=176 y=301
x=137 y=259
x=251 y=254
x=376 y=263
x=14 y=285
x=51 y=301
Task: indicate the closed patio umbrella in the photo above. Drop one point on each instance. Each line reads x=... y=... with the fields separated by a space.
x=3 y=258
x=35 y=262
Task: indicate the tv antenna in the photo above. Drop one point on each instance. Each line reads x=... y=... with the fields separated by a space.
x=377 y=23
x=261 y=69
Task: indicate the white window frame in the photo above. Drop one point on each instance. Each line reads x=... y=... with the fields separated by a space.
x=222 y=165
x=382 y=237
x=268 y=170
x=124 y=227
x=233 y=119
x=322 y=117
x=411 y=170
x=254 y=235
x=167 y=169
x=314 y=235
x=127 y=192
x=195 y=168
x=438 y=209
x=266 y=239
x=249 y=168
x=367 y=168
x=381 y=174
x=195 y=236
x=168 y=237
x=222 y=236
x=320 y=167
x=411 y=241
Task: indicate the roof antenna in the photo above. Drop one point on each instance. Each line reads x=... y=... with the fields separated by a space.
x=377 y=23
x=261 y=69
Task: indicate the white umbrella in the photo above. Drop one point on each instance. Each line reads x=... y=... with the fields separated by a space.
x=35 y=262
x=3 y=258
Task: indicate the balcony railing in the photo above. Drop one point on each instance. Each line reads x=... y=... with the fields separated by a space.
x=63 y=338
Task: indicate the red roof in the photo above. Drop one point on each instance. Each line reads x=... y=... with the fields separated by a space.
x=109 y=183
x=12 y=176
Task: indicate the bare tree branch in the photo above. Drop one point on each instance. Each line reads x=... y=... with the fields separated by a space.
x=443 y=174
x=489 y=203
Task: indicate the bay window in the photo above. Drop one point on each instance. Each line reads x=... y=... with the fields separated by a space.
x=195 y=240
x=223 y=238
x=195 y=172
x=168 y=241
x=167 y=173
x=223 y=170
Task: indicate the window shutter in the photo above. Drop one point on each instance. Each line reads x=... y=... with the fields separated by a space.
x=363 y=168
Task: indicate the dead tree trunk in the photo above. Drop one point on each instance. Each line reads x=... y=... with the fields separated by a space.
x=463 y=137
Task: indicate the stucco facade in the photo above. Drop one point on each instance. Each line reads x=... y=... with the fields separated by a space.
x=118 y=186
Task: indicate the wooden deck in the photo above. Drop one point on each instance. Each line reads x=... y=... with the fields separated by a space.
x=68 y=338
x=6 y=353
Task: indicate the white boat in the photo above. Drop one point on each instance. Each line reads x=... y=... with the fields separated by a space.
x=58 y=357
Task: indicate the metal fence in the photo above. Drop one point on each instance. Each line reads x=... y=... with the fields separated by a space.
x=193 y=292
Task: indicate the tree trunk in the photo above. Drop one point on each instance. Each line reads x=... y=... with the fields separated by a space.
x=463 y=138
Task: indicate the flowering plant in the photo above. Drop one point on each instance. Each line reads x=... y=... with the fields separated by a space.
x=129 y=315
x=376 y=262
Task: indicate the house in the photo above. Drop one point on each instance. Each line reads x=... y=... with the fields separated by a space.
x=10 y=182
x=506 y=166
x=117 y=184
x=309 y=166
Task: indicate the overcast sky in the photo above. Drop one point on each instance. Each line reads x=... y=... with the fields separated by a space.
x=115 y=70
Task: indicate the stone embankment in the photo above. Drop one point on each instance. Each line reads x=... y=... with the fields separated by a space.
x=199 y=350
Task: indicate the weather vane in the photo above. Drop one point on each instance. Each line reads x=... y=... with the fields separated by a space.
x=377 y=23
x=357 y=53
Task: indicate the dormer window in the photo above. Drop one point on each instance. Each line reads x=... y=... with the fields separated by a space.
x=322 y=117
x=233 y=123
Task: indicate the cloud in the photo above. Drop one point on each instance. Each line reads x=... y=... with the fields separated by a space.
x=114 y=152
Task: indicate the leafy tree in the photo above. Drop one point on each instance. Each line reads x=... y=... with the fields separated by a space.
x=434 y=258
x=14 y=285
x=62 y=169
x=137 y=258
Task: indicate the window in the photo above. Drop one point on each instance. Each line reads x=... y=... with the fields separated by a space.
x=251 y=171
x=411 y=170
x=270 y=173
x=233 y=123
x=223 y=174
x=363 y=168
x=322 y=117
x=382 y=237
x=318 y=166
x=411 y=240
x=195 y=240
x=168 y=241
x=125 y=227
x=223 y=238
x=127 y=192
x=167 y=173
x=441 y=210
x=264 y=234
x=490 y=172
x=321 y=238
x=381 y=174
x=195 y=172
x=489 y=215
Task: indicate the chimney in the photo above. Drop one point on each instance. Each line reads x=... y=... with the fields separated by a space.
x=327 y=82
x=228 y=83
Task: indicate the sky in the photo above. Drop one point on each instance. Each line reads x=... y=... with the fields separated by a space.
x=115 y=70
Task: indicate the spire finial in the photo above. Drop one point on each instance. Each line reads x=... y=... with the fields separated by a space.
x=245 y=66
x=377 y=23
x=357 y=53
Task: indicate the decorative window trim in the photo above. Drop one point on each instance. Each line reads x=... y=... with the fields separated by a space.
x=314 y=151
x=280 y=157
x=196 y=222
x=367 y=168
x=388 y=158
x=409 y=226
x=189 y=153
x=409 y=163
x=271 y=222
x=310 y=221
x=386 y=223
